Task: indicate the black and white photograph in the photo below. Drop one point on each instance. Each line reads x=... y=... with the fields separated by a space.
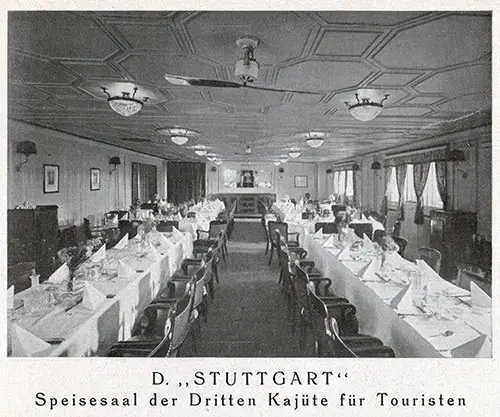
x=306 y=185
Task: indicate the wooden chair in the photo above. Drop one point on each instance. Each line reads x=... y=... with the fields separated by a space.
x=378 y=235
x=361 y=229
x=215 y=238
x=282 y=227
x=329 y=342
x=431 y=256
x=336 y=208
x=158 y=340
x=402 y=243
x=167 y=225
x=328 y=227
x=344 y=311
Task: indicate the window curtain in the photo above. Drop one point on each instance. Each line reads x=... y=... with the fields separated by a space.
x=185 y=181
x=354 y=190
x=442 y=181
x=400 y=182
x=420 y=174
x=384 y=209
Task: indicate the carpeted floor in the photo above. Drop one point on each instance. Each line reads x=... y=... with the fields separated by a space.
x=248 y=316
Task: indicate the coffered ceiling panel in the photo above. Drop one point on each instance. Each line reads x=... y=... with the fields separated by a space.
x=367 y=18
x=345 y=43
x=455 y=40
x=59 y=35
x=435 y=68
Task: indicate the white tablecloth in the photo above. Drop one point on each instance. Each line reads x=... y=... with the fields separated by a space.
x=410 y=332
x=87 y=332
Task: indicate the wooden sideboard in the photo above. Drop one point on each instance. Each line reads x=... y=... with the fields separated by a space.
x=247 y=205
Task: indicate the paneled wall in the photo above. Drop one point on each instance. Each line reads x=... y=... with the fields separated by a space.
x=281 y=183
x=75 y=156
x=469 y=185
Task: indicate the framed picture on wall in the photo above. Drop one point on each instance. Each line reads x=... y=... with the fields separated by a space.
x=50 y=179
x=95 y=179
x=300 y=181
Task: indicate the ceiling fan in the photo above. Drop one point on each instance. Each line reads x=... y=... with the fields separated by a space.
x=247 y=70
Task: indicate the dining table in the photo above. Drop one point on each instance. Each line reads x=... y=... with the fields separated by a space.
x=405 y=304
x=107 y=296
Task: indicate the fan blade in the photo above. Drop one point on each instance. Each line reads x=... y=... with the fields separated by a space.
x=178 y=80
x=279 y=90
x=138 y=140
x=201 y=82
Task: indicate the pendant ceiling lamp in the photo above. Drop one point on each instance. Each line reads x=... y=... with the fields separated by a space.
x=178 y=135
x=365 y=109
x=315 y=139
x=126 y=104
x=294 y=153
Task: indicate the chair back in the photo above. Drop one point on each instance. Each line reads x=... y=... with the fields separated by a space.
x=183 y=308
x=163 y=348
x=336 y=208
x=274 y=226
x=402 y=243
x=361 y=229
x=216 y=227
x=167 y=225
x=302 y=290
x=328 y=227
x=431 y=256
x=378 y=235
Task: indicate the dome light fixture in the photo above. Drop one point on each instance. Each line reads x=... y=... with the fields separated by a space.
x=218 y=162
x=178 y=135
x=200 y=152
x=294 y=153
x=126 y=104
x=211 y=158
x=277 y=163
x=365 y=109
x=284 y=160
x=315 y=139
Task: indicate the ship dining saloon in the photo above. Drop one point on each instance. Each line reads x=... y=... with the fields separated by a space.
x=249 y=184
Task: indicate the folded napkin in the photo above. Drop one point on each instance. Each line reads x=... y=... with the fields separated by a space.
x=176 y=235
x=152 y=250
x=60 y=275
x=363 y=218
x=319 y=234
x=122 y=244
x=10 y=298
x=26 y=344
x=367 y=243
x=478 y=297
x=165 y=242
x=99 y=255
x=371 y=268
x=124 y=270
x=330 y=243
x=92 y=297
x=345 y=254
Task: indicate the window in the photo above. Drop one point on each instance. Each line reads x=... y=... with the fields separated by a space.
x=430 y=195
x=409 y=187
x=335 y=182
x=392 y=187
x=341 y=189
x=349 y=187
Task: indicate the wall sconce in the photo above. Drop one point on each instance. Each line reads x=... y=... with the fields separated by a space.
x=329 y=171
x=355 y=167
x=376 y=165
x=281 y=170
x=115 y=160
x=457 y=156
x=27 y=148
x=214 y=169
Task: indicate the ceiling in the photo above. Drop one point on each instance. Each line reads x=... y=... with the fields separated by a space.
x=435 y=66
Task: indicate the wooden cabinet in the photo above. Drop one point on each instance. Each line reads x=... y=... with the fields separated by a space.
x=452 y=233
x=32 y=236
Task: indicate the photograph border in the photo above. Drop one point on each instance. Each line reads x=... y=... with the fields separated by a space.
x=50 y=189
x=95 y=187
